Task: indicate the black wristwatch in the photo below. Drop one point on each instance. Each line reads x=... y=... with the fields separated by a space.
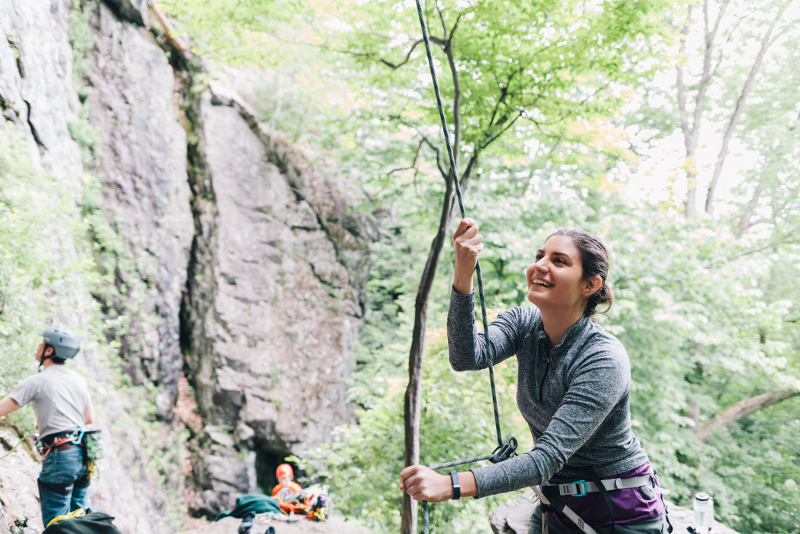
x=456 y=485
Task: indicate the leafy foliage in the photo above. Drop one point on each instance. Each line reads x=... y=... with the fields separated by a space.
x=519 y=65
x=363 y=461
x=33 y=274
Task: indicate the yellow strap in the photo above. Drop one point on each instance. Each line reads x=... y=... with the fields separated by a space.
x=80 y=512
x=57 y=518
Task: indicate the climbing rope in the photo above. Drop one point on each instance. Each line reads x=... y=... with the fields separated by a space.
x=503 y=450
x=15 y=446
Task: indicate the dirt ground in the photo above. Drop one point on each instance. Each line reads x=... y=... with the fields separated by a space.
x=334 y=525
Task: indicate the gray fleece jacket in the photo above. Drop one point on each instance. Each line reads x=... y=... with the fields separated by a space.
x=576 y=399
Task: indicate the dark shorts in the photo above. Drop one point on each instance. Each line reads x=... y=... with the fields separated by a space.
x=649 y=526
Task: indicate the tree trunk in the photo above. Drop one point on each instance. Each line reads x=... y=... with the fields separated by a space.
x=413 y=397
x=744 y=408
x=691 y=134
x=745 y=221
x=412 y=406
x=737 y=112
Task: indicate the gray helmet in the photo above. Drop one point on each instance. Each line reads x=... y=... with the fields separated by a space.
x=64 y=341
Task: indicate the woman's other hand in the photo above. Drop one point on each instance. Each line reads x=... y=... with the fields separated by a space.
x=468 y=244
x=423 y=484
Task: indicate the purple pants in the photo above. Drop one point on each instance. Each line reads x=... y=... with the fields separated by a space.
x=631 y=505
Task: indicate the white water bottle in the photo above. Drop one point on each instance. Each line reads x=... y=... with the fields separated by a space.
x=703 y=512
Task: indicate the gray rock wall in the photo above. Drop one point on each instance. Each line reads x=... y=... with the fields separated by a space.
x=272 y=307
x=36 y=91
x=222 y=254
x=141 y=159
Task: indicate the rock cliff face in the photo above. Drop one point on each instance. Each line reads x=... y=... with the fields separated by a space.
x=271 y=308
x=222 y=253
x=141 y=159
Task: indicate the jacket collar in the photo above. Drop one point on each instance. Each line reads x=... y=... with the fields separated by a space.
x=572 y=333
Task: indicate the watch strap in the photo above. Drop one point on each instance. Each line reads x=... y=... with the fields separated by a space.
x=456 y=485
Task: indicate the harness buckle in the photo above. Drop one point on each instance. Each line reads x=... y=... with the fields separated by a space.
x=565 y=489
x=505 y=451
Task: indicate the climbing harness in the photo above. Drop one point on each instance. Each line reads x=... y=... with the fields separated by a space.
x=506 y=449
x=550 y=494
x=90 y=440
x=71 y=437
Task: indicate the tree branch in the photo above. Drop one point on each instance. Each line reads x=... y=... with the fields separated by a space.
x=427 y=142
x=174 y=40
x=705 y=78
x=681 y=88
x=448 y=50
x=699 y=104
x=492 y=139
x=746 y=219
x=737 y=112
x=441 y=18
x=413 y=161
x=395 y=66
x=742 y=409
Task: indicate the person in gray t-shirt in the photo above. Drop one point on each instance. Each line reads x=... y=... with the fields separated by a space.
x=62 y=404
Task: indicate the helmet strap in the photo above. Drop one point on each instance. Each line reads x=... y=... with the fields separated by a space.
x=44 y=357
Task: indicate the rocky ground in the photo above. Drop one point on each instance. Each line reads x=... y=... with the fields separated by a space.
x=334 y=525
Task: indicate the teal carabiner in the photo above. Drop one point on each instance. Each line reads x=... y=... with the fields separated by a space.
x=79 y=439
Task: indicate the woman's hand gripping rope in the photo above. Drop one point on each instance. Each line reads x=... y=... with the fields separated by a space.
x=468 y=243
x=424 y=484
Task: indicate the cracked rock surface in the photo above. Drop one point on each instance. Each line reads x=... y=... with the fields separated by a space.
x=273 y=308
x=225 y=255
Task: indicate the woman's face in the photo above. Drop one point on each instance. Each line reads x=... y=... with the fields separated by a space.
x=555 y=279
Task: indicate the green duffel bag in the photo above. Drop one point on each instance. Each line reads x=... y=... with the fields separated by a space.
x=91 y=523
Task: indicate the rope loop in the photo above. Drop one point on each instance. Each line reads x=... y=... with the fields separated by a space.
x=505 y=451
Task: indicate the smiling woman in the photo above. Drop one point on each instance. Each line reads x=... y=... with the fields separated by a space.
x=588 y=259
x=573 y=391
